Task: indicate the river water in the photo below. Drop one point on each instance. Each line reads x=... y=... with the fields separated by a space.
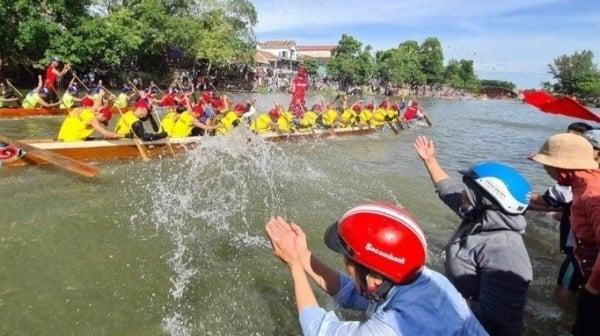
x=177 y=246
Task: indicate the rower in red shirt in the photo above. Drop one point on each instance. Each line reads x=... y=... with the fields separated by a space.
x=52 y=73
x=412 y=111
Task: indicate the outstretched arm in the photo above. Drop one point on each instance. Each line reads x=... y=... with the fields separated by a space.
x=283 y=239
x=326 y=277
x=426 y=151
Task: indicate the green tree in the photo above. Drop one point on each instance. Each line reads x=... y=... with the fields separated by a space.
x=499 y=83
x=311 y=66
x=576 y=74
x=28 y=27
x=432 y=60
x=350 y=64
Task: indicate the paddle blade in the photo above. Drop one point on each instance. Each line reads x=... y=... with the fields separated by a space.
x=61 y=161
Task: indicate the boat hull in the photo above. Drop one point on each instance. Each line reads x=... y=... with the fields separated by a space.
x=101 y=150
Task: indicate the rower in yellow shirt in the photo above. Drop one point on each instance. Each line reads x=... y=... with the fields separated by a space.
x=188 y=121
x=266 y=122
x=80 y=125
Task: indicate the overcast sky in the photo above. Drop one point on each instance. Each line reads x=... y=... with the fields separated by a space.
x=512 y=40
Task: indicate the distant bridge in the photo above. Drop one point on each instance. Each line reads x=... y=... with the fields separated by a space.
x=498 y=91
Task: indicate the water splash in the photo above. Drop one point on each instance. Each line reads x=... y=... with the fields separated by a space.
x=208 y=202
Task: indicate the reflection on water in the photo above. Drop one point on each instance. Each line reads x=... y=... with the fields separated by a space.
x=177 y=246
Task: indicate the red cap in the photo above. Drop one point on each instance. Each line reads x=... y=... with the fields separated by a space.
x=356 y=108
x=395 y=107
x=86 y=102
x=384 y=104
x=206 y=96
x=198 y=109
x=107 y=114
x=369 y=107
x=141 y=104
x=239 y=108
x=415 y=103
x=274 y=113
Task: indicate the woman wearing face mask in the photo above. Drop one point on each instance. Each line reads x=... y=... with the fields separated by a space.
x=486 y=258
x=570 y=160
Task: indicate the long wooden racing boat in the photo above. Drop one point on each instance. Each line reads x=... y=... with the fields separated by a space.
x=19 y=112
x=98 y=150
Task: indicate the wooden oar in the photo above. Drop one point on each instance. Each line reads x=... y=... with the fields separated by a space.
x=80 y=82
x=137 y=141
x=64 y=162
x=14 y=88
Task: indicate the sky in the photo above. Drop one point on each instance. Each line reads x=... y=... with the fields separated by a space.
x=511 y=40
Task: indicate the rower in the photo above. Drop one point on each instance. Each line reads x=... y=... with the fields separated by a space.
x=7 y=96
x=188 y=121
x=231 y=119
x=80 y=124
x=124 y=96
x=267 y=122
x=131 y=123
x=37 y=97
x=70 y=97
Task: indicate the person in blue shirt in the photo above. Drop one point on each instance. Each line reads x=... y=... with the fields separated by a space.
x=384 y=253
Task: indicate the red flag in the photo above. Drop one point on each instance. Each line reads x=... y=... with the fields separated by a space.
x=566 y=106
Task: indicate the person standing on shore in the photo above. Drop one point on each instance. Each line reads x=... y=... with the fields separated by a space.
x=486 y=258
x=384 y=254
x=570 y=160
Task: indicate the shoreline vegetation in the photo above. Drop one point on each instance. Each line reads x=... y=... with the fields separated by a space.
x=117 y=42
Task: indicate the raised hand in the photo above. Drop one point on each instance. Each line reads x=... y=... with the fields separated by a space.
x=424 y=147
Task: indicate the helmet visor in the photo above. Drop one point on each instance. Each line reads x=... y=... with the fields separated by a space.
x=335 y=242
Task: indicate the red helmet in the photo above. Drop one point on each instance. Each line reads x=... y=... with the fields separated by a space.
x=382 y=237
x=274 y=113
x=369 y=107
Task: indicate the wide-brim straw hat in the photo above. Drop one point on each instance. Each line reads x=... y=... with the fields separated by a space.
x=566 y=151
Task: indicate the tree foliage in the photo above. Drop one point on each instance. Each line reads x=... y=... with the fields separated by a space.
x=114 y=34
x=350 y=64
x=576 y=74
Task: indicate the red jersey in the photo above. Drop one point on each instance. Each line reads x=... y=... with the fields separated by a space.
x=300 y=86
x=50 y=77
x=167 y=101
x=411 y=113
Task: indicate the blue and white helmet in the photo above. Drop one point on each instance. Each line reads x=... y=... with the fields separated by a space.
x=506 y=186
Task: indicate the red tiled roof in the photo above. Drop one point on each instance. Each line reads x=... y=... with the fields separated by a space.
x=315 y=47
x=262 y=56
x=277 y=44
